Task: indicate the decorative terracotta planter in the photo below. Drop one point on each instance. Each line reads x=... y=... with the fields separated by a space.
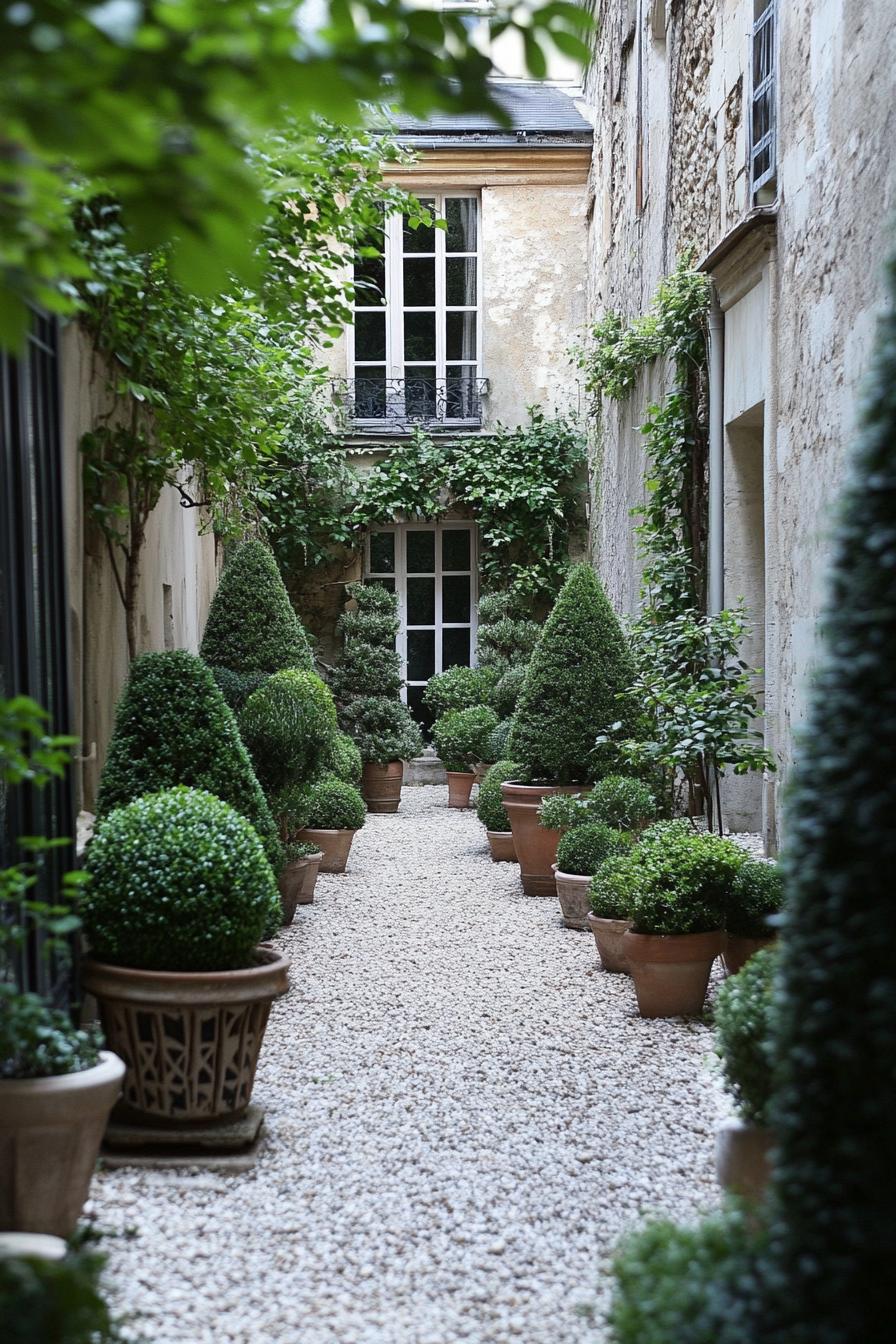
x=333 y=845
x=190 y=1039
x=608 y=935
x=738 y=951
x=296 y=883
x=501 y=845
x=572 y=892
x=460 y=786
x=536 y=846
x=50 y=1134
x=381 y=786
x=671 y=971
x=742 y=1158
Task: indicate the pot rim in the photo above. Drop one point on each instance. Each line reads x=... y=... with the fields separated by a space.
x=329 y=830
x=305 y=859
x=604 y=919
x=110 y=1069
x=268 y=978
x=460 y=772
x=384 y=765
x=499 y=834
x=543 y=786
x=671 y=947
x=570 y=877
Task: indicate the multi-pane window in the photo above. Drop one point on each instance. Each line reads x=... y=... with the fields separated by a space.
x=415 y=343
x=763 y=114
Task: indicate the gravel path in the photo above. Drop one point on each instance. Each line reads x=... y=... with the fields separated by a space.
x=463 y=1115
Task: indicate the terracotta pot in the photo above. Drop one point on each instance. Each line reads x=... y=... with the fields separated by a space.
x=671 y=971
x=460 y=786
x=738 y=951
x=572 y=892
x=190 y=1039
x=536 y=846
x=742 y=1158
x=381 y=786
x=333 y=845
x=608 y=935
x=296 y=883
x=501 y=845
x=50 y=1134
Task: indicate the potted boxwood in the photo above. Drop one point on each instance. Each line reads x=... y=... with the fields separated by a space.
x=180 y=897
x=580 y=853
x=332 y=811
x=608 y=916
x=490 y=811
x=743 y=1024
x=681 y=884
x=757 y=896
x=575 y=688
x=461 y=737
x=623 y=802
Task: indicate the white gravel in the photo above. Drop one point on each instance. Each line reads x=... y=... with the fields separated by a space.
x=463 y=1115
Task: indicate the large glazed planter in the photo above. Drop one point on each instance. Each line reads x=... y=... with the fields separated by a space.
x=608 y=935
x=671 y=971
x=501 y=845
x=190 y=1039
x=460 y=786
x=381 y=786
x=536 y=846
x=572 y=893
x=742 y=1158
x=50 y=1134
x=296 y=883
x=333 y=845
x=738 y=951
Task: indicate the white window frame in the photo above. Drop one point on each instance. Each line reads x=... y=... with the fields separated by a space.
x=765 y=21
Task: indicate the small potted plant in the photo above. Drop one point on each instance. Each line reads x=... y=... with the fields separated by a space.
x=461 y=737
x=490 y=811
x=681 y=886
x=742 y=1023
x=180 y=897
x=332 y=811
x=298 y=876
x=580 y=853
x=608 y=917
x=757 y=896
x=623 y=802
x=386 y=736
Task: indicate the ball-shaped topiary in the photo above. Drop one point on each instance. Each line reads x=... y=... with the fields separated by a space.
x=251 y=624
x=757 y=895
x=683 y=882
x=382 y=729
x=623 y=802
x=332 y=805
x=575 y=684
x=173 y=727
x=583 y=849
x=489 y=807
x=458 y=688
x=743 y=1018
x=610 y=895
x=288 y=726
x=179 y=882
x=461 y=736
x=343 y=759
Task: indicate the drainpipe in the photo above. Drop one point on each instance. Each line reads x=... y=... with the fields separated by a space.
x=716 y=539
x=773 y=590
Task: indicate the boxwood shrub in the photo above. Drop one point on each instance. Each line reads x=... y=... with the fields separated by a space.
x=498 y=739
x=559 y=811
x=251 y=624
x=236 y=687
x=343 y=759
x=610 y=895
x=583 y=849
x=382 y=729
x=621 y=801
x=489 y=807
x=288 y=726
x=757 y=895
x=459 y=688
x=179 y=882
x=743 y=1019
x=368 y=681
x=462 y=736
x=682 y=882
x=329 y=804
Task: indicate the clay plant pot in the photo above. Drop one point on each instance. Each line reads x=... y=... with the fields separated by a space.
x=671 y=971
x=50 y=1134
x=333 y=845
x=738 y=951
x=190 y=1039
x=296 y=883
x=742 y=1158
x=572 y=892
x=608 y=935
x=381 y=786
x=536 y=846
x=460 y=786
x=501 y=845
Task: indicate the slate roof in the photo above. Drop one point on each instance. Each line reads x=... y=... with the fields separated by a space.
x=537 y=112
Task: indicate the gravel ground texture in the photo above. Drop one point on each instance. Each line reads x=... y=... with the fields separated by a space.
x=464 y=1114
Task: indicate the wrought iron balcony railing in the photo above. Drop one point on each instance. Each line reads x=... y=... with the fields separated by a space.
x=390 y=404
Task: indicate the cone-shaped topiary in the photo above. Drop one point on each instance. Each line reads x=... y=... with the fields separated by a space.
x=173 y=727
x=581 y=666
x=251 y=624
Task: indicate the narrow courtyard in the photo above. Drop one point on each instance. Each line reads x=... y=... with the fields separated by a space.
x=463 y=1115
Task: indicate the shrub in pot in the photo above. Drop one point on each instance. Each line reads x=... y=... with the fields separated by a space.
x=623 y=802
x=331 y=812
x=288 y=726
x=180 y=896
x=560 y=811
x=580 y=853
x=461 y=738
x=302 y=860
x=575 y=687
x=386 y=736
x=743 y=1017
x=458 y=688
x=609 y=917
x=757 y=896
x=490 y=810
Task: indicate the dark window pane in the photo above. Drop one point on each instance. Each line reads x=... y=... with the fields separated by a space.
x=382 y=552
x=370 y=394
x=456 y=551
x=422 y=602
x=388 y=584
x=461 y=397
x=419 y=282
x=460 y=335
x=421 y=552
x=455 y=648
x=420 y=394
x=370 y=282
x=422 y=239
x=370 y=335
x=420 y=336
x=461 y=233
x=421 y=654
x=415 y=705
x=456 y=598
x=460 y=281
